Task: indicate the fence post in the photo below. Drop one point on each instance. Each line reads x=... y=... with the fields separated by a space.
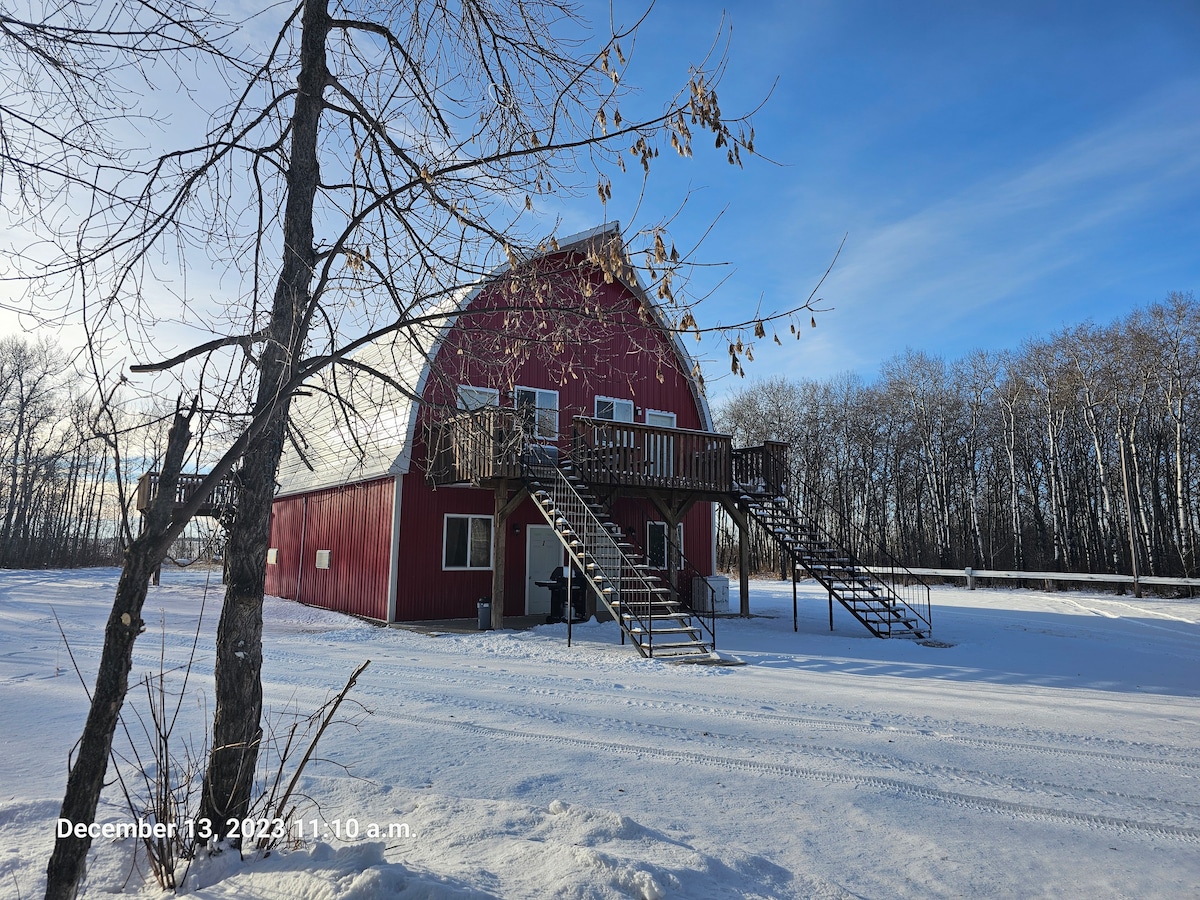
x=970 y=578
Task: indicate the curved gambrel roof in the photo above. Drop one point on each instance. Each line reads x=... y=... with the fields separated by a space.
x=369 y=430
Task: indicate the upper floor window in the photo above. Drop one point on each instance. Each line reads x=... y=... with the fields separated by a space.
x=614 y=410
x=471 y=397
x=541 y=410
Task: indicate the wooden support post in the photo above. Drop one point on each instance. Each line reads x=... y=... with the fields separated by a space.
x=744 y=564
x=742 y=520
x=831 y=610
x=499 y=548
x=795 y=612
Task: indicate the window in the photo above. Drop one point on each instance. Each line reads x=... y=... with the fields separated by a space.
x=656 y=544
x=470 y=397
x=467 y=542
x=541 y=410
x=614 y=410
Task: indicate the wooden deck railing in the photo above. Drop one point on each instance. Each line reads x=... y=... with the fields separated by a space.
x=762 y=470
x=632 y=455
x=475 y=446
x=222 y=496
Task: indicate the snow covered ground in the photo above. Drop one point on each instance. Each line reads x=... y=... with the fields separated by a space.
x=1052 y=751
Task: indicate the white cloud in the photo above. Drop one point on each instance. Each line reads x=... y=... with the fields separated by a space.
x=1001 y=237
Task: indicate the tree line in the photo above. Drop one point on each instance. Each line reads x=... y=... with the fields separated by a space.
x=65 y=476
x=56 y=487
x=1073 y=453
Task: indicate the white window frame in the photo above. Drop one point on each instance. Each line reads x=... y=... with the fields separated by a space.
x=471 y=519
x=614 y=401
x=492 y=393
x=539 y=393
x=660 y=525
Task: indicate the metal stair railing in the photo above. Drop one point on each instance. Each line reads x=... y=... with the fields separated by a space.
x=905 y=592
x=911 y=588
x=614 y=578
x=686 y=573
x=683 y=575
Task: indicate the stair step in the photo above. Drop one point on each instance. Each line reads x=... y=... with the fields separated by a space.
x=691 y=631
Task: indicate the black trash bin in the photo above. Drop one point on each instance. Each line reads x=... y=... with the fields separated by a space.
x=485 y=613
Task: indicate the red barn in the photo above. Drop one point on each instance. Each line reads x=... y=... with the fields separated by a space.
x=547 y=420
x=413 y=495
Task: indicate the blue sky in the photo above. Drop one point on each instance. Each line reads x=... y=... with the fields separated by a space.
x=1000 y=170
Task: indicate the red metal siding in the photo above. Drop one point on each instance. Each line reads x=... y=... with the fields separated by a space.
x=354 y=523
x=426 y=591
x=286 y=517
x=698 y=537
x=625 y=358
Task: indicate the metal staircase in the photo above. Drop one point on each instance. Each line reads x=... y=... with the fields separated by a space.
x=615 y=571
x=886 y=609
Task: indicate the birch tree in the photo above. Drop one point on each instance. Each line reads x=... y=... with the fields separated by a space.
x=1175 y=326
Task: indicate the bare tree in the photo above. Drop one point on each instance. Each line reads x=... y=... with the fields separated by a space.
x=74 y=71
x=1175 y=326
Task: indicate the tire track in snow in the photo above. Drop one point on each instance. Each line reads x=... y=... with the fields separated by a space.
x=552 y=687
x=859 y=757
x=956 y=798
x=521 y=711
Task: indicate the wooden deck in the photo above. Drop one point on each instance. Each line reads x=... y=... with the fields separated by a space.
x=218 y=501
x=476 y=447
x=482 y=446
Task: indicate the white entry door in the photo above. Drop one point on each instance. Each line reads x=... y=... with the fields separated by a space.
x=660 y=448
x=543 y=554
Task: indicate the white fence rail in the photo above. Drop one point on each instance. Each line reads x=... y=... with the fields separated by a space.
x=972 y=574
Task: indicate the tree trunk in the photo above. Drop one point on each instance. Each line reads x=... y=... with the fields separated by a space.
x=86 y=777
x=1181 y=505
x=238 y=672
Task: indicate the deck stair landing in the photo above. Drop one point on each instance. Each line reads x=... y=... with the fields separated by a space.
x=874 y=602
x=658 y=625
